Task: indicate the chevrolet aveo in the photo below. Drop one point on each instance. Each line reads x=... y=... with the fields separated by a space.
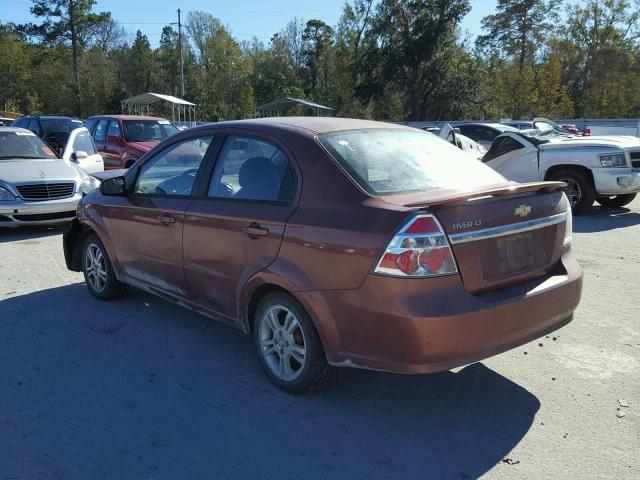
x=334 y=242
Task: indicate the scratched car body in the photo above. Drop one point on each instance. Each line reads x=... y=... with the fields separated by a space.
x=335 y=242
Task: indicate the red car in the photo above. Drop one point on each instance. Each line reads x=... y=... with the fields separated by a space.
x=335 y=242
x=123 y=139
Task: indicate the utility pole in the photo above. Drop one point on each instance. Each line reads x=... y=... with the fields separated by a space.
x=181 y=58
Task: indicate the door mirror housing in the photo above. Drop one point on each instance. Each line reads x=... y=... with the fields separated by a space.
x=113 y=139
x=79 y=155
x=115 y=186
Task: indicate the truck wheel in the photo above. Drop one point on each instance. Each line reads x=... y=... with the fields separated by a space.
x=616 y=200
x=579 y=190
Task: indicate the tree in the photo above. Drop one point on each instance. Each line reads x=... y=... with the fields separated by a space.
x=68 y=21
x=406 y=56
x=316 y=46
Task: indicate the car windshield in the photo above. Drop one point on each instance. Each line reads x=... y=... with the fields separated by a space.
x=23 y=144
x=538 y=136
x=52 y=126
x=148 y=130
x=385 y=162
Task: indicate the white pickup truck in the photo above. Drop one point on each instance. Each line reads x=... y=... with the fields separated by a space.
x=594 y=130
x=605 y=169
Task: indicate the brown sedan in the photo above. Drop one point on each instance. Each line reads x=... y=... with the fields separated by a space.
x=335 y=242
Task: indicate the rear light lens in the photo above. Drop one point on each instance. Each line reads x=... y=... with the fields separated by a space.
x=587 y=132
x=419 y=249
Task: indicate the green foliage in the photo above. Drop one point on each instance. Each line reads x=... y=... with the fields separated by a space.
x=384 y=59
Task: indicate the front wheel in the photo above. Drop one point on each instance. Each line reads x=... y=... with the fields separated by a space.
x=579 y=190
x=98 y=273
x=289 y=348
x=616 y=200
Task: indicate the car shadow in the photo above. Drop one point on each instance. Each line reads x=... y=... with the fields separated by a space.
x=15 y=234
x=601 y=219
x=141 y=388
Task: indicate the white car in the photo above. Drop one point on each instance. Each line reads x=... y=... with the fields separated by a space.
x=81 y=150
x=602 y=169
x=36 y=186
x=484 y=133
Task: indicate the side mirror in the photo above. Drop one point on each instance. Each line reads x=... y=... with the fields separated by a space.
x=114 y=186
x=113 y=139
x=79 y=155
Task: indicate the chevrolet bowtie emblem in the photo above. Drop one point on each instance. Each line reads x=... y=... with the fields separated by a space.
x=522 y=211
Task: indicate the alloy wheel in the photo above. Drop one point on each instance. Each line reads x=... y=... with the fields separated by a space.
x=282 y=343
x=573 y=191
x=95 y=267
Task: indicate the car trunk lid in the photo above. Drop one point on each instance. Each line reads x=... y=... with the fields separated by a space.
x=500 y=235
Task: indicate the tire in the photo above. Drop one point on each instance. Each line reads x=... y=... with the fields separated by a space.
x=288 y=345
x=616 y=200
x=579 y=189
x=105 y=285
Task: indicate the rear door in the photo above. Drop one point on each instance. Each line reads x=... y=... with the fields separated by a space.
x=235 y=229
x=148 y=224
x=111 y=149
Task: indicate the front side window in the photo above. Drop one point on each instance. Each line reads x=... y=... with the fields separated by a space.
x=173 y=170
x=501 y=146
x=252 y=169
x=147 y=130
x=385 y=162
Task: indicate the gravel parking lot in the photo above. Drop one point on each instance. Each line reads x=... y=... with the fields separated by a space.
x=143 y=389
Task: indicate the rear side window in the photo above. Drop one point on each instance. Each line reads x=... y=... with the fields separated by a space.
x=252 y=169
x=84 y=143
x=385 y=162
x=91 y=123
x=101 y=131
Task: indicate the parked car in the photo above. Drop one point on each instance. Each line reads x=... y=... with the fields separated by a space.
x=53 y=129
x=36 y=186
x=405 y=263
x=81 y=150
x=519 y=124
x=123 y=139
x=602 y=169
x=454 y=137
x=5 y=121
x=484 y=133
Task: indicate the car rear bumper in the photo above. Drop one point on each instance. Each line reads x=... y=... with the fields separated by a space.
x=411 y=326
x=616 y=181
x=21 y=213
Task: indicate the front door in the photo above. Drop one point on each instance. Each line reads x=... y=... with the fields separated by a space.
x=236 y=230
x=148 y=223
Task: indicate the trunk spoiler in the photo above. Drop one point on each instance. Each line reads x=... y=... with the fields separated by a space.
x=457 y=198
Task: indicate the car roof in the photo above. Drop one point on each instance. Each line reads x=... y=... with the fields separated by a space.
x=316 y=125
x=49 y=117
x=127 y=117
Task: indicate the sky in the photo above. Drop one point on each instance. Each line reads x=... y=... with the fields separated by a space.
x=245 y=19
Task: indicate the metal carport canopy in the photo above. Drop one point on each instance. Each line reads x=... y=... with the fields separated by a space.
x=139 y=102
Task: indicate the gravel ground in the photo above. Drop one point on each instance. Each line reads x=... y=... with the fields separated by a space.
x=143 y=389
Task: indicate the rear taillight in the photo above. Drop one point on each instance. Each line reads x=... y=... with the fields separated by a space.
x=419 y=249
x=587 y=132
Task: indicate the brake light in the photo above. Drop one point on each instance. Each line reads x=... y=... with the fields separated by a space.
x=419 y=249
x=587 y=132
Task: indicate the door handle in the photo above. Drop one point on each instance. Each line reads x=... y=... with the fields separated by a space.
x=254 y=230
x=166 y=219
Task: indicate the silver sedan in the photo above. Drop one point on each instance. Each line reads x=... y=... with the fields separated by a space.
x=37 y=187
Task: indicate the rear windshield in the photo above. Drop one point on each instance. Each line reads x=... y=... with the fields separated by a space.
x=148 y=130
x=60 y=125
x=23 y=144
x=385 y=162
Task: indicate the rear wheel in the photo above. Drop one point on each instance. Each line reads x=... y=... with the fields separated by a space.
x=579 y=190
x=616 y=200
x=98 y=273
x=289 y=348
